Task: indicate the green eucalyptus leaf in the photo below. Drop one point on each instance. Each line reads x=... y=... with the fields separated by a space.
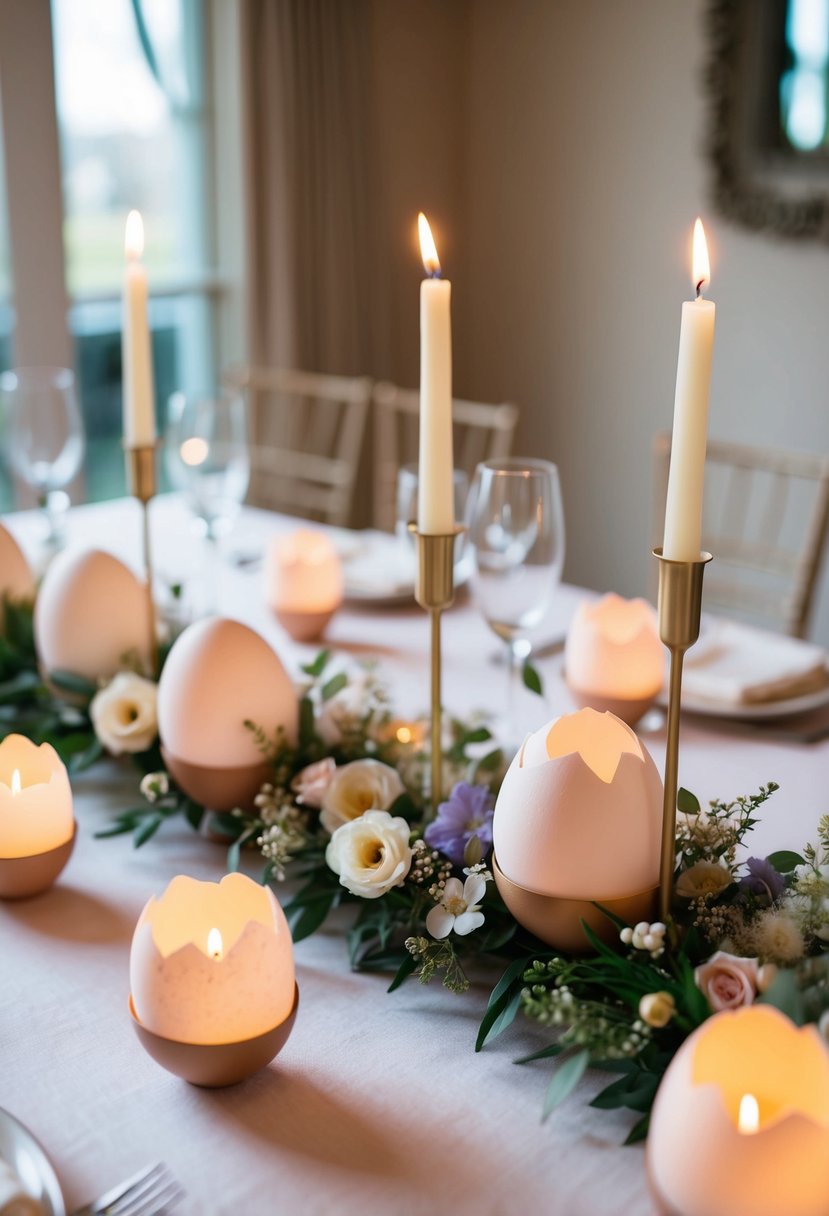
x=147 y=829
x=499 y=1000
x=316 y=668
x=336 y=684
x=784 y=861
x=565 y=1079
x=686 y=802
x=532 y=679
x=554 y=1049
x=405 y=969
x=639 y=1131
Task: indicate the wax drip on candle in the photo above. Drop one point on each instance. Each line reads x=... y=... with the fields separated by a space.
x=214 y=944
x=748 y=1120
x=16 y=785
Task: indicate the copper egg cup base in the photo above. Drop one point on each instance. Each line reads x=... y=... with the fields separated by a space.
x=557 y=920
x=304 y=626
x=23 y=877
x=215 y=1065
x=218 y=788
x=629 y=709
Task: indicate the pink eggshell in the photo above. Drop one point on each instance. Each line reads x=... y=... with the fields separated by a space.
x=16 y=579
x=559 y=829
x=218 y=675
x=91 y=614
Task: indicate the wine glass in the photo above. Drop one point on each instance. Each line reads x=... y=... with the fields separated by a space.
x=45 y=436
x=516 y=534
x=208 y=460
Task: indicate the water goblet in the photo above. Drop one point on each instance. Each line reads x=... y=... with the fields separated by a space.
x=516 y=536
x=45 y=436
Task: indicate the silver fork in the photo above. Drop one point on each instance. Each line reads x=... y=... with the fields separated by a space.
x=150 y=1192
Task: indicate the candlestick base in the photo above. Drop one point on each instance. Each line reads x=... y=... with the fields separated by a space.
x=23 y=877
x=215 y=1065
x=435 y=592
x=679 y=610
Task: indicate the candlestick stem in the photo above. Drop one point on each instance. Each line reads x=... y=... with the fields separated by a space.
x=680 y=605
x=141 y=481
x=435 y=591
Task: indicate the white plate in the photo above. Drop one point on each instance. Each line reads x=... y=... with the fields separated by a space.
x=786 y=708
x=24 y=1154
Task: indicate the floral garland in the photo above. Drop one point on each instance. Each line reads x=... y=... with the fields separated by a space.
x=343 y=814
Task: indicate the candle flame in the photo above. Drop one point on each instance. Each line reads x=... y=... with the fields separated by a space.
x=700 y=263
x=428 y=251
x=748 y=1120
x=16 y=786
x=134 y=236
x=214 y=944
x=405 y=734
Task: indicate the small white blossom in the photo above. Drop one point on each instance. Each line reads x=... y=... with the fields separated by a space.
x=645 y=937
x=154 y=786
x=459 y=908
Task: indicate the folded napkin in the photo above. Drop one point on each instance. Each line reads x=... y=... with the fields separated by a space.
x=13 y=1199
x=738 y=664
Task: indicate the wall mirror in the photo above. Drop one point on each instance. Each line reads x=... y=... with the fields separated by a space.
x=767 y=80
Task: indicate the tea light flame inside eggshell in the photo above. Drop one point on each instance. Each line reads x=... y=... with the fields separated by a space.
x=579 y=814
x=35 y=798
x=219 y=675
x=185 y=990
x=90 y=615
x=304 y=573
x=702 y=1162
x=613 y=649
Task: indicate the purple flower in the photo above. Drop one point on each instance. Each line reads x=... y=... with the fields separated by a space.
x=762 y=880
x=467 y=813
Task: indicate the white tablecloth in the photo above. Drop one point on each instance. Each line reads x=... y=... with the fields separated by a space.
x=378 y=1104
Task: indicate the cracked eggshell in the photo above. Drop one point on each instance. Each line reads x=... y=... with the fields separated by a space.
x=16 y=578
x=218 y=675
x=613 y=648
x=90 y=614
x=579 y=814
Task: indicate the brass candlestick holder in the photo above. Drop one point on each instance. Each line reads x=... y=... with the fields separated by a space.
x=680 y=604
x=141 y=482
x=435 y=591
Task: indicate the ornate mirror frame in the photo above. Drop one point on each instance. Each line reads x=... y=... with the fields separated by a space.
x=753 y=183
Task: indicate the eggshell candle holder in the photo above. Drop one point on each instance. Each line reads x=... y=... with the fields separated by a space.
x=304 y=583
x=740 y=1125
x=578 y=820
x=219 y=675
x=90 y=614
x=213 y=990
x=613 y=658
x=16 y=579
x=37 y=828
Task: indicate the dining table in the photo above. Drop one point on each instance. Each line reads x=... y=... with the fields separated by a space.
x=378 y=1103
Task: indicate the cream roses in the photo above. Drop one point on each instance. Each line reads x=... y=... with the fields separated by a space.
x=371 y=854
x=362 y=785
x=124 y=713
x=703 y=878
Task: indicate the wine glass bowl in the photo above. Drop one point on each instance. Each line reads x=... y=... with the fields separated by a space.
x=45 y=433
x=208 y=458
x=516 y=534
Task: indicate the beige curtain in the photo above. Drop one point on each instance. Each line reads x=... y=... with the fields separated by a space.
x=307 y=75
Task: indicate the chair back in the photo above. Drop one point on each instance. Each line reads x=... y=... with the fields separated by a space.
x=306 y=436
x=480 y=432
x=765 y=520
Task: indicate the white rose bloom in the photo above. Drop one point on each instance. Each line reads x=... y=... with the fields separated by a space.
x=362 y=785
x=124 y=713
x=371 y=854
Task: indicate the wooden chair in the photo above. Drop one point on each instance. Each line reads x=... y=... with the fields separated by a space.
x=480 y=432
x=306 y=435
x=765 y=519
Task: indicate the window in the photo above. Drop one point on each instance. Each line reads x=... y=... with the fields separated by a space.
x=803 y=87
x=129 y=80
